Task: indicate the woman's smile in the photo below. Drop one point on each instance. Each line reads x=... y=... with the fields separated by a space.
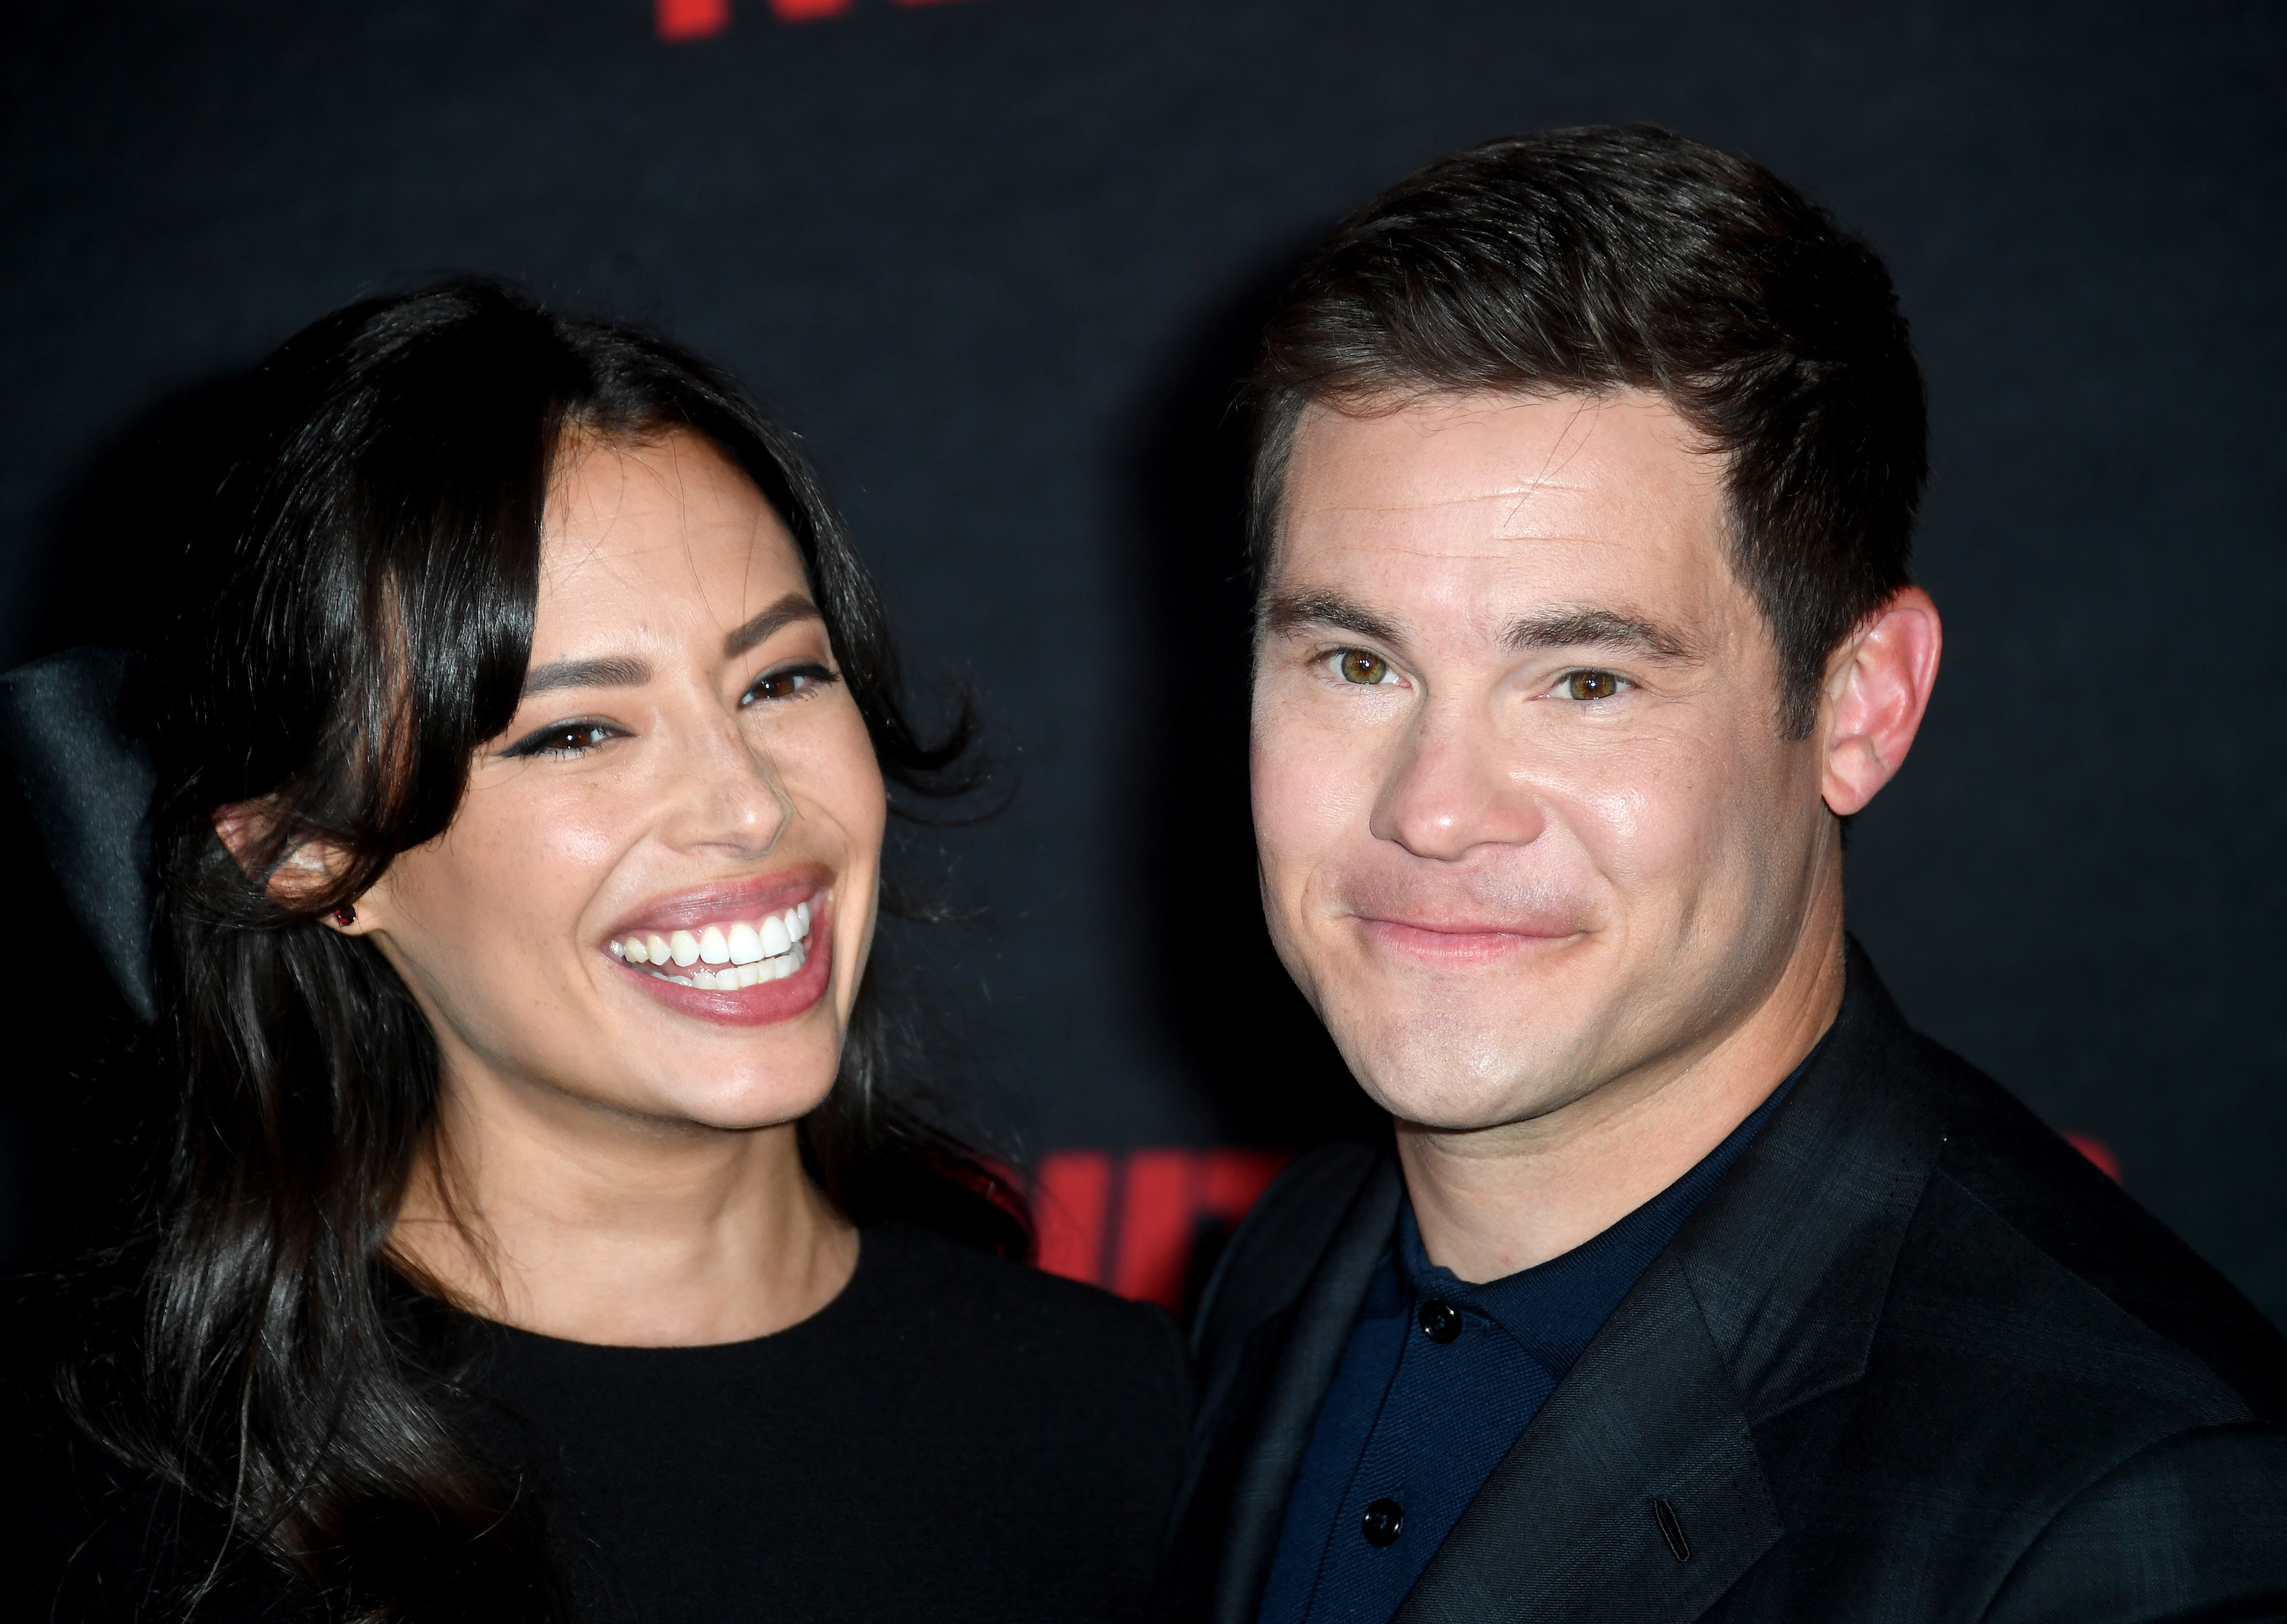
x=739 y=955
x=769 y=950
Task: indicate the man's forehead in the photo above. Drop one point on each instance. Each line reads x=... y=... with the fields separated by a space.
x=1482 y=508
x=1450 y=469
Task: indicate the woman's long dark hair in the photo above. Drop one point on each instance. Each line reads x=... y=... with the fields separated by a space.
x=364 y=588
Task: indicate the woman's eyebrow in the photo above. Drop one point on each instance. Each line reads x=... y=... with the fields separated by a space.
x=626 y=671
x=612 y=671
x=786 y=612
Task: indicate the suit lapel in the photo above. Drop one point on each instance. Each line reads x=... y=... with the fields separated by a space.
x=1315 y=1339
x=1569 y=1525
x=1769 y=1296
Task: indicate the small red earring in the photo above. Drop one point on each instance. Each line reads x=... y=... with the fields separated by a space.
x=344 y=916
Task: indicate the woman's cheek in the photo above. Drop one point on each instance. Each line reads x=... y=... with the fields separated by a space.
x=546 y=850
x=824 y=762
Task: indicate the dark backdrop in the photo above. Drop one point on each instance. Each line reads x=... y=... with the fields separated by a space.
x=998 y=260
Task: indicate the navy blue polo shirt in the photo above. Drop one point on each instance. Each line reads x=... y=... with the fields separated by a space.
x=1440 y=1379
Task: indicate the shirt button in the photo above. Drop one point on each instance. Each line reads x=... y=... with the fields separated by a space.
x=1441 y=1322
x=1384 y=1521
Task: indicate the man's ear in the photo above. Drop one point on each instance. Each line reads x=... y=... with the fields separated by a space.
x=1877 y=685
x=244 y=828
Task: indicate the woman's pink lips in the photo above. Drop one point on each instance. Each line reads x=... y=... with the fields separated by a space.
x=761 y=1005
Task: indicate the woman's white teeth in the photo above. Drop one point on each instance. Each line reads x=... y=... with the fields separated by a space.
x=748 y=954
x=731 y=977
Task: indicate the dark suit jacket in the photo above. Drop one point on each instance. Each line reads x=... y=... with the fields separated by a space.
x=1914 y=1360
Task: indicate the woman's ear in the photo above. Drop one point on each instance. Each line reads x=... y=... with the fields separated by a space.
x=244 y=828
x=1878 y=686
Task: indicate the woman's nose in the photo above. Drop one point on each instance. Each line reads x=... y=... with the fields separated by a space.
x=729 y=792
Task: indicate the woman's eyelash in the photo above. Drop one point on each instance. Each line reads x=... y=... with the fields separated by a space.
x=563 y=739
x=798 y=680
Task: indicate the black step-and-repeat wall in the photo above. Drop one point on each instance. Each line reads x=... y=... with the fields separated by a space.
x=998 y=260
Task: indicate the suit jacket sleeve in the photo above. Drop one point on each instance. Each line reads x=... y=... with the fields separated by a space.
x=2193 y=1527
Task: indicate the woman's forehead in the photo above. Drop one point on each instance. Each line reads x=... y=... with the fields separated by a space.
x=665 y=533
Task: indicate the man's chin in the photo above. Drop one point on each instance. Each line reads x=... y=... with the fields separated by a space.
x=1440 y=1113
x=1460 y=1092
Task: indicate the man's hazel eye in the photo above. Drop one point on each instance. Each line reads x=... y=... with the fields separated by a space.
x=1358 y=665
x=1591 y=685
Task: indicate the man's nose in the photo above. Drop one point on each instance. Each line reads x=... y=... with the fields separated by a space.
x=1450 y=788
x=730 y=797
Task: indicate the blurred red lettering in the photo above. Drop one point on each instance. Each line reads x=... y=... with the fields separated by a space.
x=1133 y=1223
x=681 y=21
x=687 y=19
x=1072 y=1206
x=2097 y=1151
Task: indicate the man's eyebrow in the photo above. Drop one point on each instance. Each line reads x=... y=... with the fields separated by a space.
x=1597 y=628
x=612 y=671
x=793 y=607
x=1291 y=611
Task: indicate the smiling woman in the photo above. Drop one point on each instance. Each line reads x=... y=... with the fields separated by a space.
x=544 y=1237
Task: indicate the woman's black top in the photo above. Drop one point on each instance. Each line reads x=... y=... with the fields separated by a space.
x=953 y=1437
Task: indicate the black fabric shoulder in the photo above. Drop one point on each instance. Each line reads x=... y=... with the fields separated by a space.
x=1269 y=1258
x=2029 y=1178
x=2213 y=1499
x=954 y=1436
x=951 y=1284
x=972 y=1436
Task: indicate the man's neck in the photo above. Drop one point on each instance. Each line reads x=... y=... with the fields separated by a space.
x=1490 y=1201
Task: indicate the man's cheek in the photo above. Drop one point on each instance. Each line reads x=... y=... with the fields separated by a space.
x=1295 y=817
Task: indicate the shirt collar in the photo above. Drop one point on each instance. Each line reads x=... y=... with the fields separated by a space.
x=1554 y=1308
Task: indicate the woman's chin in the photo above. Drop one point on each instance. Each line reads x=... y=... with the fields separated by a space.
x=737 y=1099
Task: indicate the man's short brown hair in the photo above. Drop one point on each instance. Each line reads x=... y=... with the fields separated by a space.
x=1589 y=260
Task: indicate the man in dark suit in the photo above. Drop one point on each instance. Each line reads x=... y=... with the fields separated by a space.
x=1694 y=1283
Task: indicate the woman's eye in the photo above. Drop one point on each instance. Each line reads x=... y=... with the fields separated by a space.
x=1591 y=685
x=786 y=683
x=564 y=739
x=1357 y=665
